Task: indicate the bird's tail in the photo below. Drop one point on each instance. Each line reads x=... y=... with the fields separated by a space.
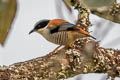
x=86 y=33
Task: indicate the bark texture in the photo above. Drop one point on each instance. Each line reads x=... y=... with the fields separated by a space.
x=111 y=13
x=85 y=56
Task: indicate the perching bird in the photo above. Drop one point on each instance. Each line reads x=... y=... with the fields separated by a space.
x=59 y=31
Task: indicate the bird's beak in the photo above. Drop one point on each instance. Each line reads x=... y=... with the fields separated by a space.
x=31 y=31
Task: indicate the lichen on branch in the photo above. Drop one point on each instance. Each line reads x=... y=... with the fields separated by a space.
x=86 y=56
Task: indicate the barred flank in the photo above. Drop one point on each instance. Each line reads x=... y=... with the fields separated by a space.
x=60 y=38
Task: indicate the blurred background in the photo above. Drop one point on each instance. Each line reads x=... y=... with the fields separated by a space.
x=21 y=46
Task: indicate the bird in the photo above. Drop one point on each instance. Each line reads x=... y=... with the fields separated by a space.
x=59 y=31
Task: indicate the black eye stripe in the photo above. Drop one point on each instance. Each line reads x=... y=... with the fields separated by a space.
x=41 y=24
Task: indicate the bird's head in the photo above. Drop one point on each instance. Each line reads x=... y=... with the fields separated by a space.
x=39 y=26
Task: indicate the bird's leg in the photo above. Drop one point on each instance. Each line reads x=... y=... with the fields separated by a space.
x=56 y=49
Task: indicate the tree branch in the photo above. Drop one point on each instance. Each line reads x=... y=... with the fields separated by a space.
x=85 y=57
x=111 y=13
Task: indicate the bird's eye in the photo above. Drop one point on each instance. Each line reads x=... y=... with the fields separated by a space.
x=72 y=0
